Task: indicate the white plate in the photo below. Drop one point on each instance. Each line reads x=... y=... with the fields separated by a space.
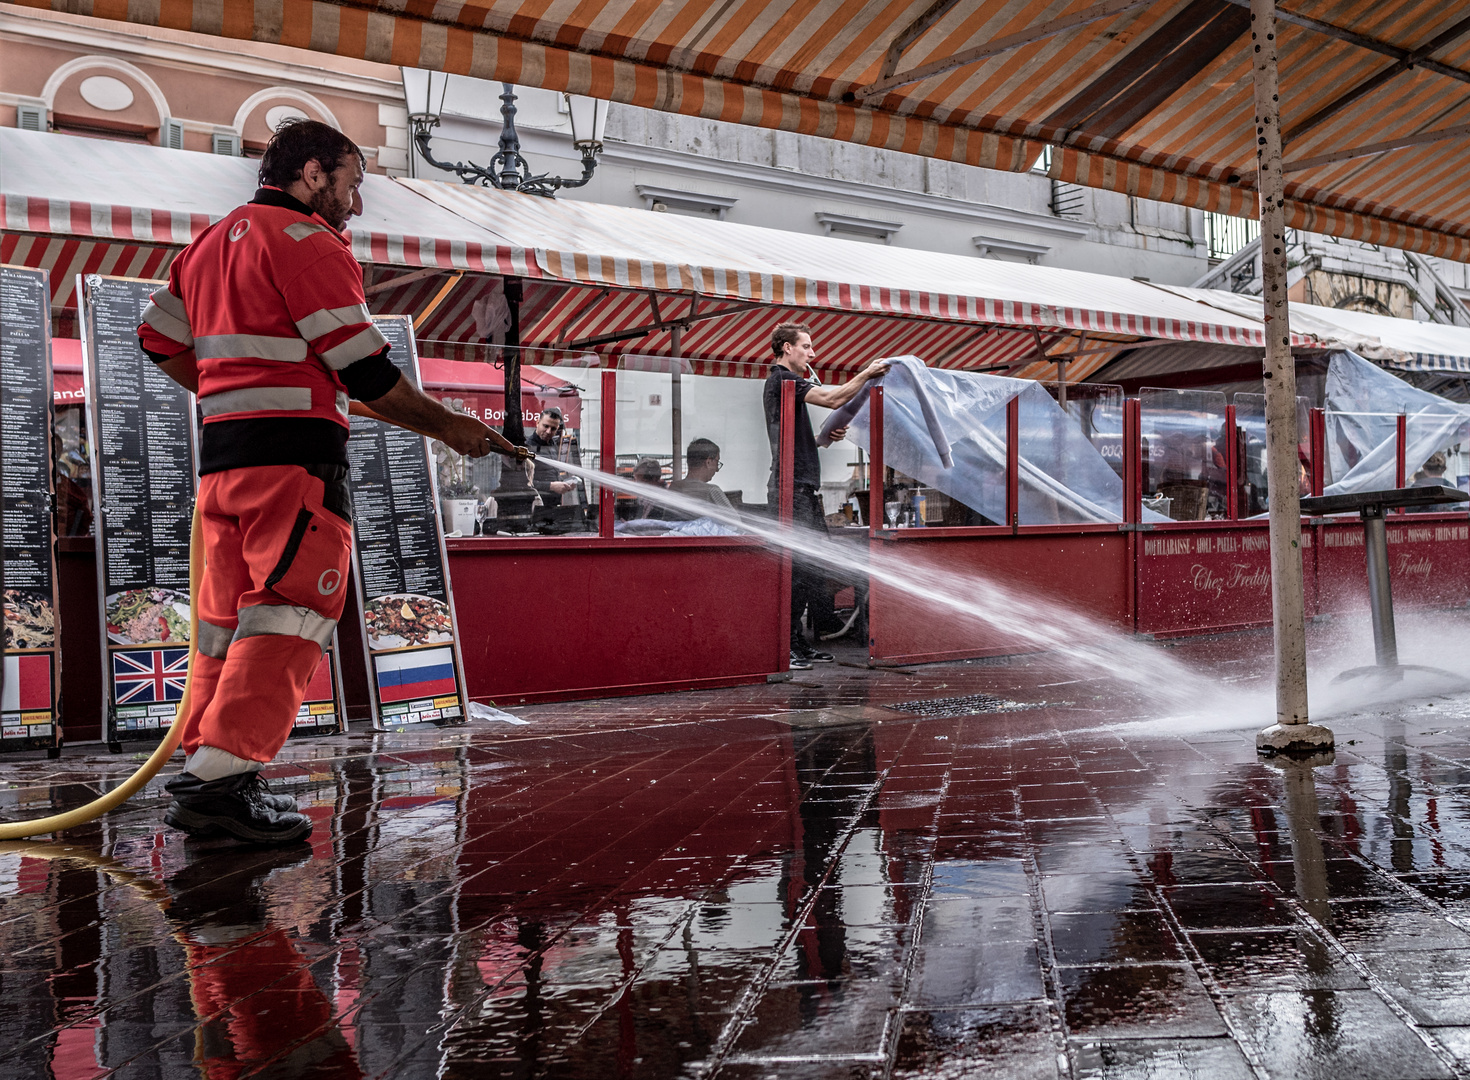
x=379 y=642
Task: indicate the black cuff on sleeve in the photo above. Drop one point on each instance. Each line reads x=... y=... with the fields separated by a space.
x=371 y=377
x=156 y=357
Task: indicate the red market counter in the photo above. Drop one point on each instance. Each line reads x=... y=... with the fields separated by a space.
x=565 y=618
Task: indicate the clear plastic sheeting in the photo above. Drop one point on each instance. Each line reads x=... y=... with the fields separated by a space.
x=1363 y=404
x=1064 y=479
x=1184 y=450
x=1252 y=476
x=1098 y=409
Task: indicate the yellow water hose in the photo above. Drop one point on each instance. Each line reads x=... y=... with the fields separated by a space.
x=19 y=830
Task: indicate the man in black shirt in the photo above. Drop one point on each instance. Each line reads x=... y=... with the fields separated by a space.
x=550 y=443
x=791 y=346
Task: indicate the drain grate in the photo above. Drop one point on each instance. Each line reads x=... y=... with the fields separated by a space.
x=962 y=706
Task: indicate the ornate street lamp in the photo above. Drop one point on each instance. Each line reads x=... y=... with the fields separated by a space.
x=508 y=170
x=424 y=91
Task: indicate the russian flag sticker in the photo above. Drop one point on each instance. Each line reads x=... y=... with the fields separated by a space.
x=27 y=683
x=417 y=674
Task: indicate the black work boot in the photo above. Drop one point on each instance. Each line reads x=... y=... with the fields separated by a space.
x=286 y=804
x=234 y=805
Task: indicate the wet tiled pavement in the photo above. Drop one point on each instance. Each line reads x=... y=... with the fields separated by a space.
x=776 y=881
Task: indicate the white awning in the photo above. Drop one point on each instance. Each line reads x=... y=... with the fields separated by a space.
x=1406 y=344
x=129 y=193
x=623 y=248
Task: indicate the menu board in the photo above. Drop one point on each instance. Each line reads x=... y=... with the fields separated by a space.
x=32 y=648
x=415 y=674
x=142 y=433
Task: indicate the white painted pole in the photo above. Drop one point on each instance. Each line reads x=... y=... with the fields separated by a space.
x=1288 y=607
x=676 y=399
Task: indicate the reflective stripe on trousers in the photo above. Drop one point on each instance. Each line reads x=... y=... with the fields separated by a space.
x=285 y=619
x=214 y=640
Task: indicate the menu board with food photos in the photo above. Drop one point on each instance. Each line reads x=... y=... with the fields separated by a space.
x=415 y=674
x=29 y=717
x=142 y=430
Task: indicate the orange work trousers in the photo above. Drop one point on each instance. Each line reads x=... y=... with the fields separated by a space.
x=277 y=540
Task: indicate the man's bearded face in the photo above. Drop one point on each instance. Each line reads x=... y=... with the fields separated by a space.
x=339 y=200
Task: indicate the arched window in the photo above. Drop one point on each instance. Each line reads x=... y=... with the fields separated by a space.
x=103 y=97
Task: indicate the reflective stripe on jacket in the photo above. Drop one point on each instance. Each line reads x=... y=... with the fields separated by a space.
x=271 y=301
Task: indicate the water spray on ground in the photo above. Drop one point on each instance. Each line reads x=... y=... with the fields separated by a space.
x=1171 y=694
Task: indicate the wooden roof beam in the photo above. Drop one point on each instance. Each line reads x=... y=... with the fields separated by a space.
x=912 y=33
x=1105 y=10
x=1362 y=41
x=1367 y=86
x=1460 y=131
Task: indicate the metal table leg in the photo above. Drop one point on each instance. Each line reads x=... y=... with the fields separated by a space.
x=1380 y=589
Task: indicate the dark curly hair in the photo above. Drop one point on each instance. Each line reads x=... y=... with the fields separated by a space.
x=786 y=334
x=298 y=141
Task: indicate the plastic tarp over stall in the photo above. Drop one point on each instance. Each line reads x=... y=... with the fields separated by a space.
x=931 y=414
x=1363 y=404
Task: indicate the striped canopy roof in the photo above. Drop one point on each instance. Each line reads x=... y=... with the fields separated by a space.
x=111 y=199
x=1151 y=97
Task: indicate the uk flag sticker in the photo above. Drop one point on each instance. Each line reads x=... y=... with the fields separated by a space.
x=145 y=676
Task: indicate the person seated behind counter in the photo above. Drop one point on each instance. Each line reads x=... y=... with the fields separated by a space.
x=549 y=445
x=702 y=460
x=1431 y=475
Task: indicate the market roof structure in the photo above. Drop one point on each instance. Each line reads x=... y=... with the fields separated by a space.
x=599 y=276
x=1151 y=97
x=77 y=205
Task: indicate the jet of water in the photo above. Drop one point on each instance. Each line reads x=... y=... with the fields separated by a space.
x=1020 y=615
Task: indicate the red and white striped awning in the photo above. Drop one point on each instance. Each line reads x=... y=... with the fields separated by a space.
x=64 y=257
x=130 y=194
x=624 y=249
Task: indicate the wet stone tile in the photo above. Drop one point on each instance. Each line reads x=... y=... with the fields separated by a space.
x=795 y=1019
x=1084 y=857
x=1159 y=1059
x=1392 y=923
x=1203 y=907
x=1096 y=892
x=815 y=1068
x=1456 y=1040
x=1345 y=879
x=1137 y=1001
x=1015 y=1042
x=1433 y=985
x=980 y=973
x=1331 y=1034
x=1113 y=937
x=1451 y=887
x=1284 y=959
x=1207 y=867
x=998 y=877
x=959 y=920
x=1148 y=838
x=838 y=952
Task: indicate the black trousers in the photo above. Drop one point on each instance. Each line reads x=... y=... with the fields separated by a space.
x=808 y=578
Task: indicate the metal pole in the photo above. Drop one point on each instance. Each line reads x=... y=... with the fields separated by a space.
x=1288 y=598
x=676 y=399
x=608 y=453
x=1380 y=588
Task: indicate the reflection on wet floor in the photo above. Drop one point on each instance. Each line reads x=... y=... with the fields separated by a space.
x=785 y=881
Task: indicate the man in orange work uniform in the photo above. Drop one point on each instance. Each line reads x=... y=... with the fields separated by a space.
x=265 y=319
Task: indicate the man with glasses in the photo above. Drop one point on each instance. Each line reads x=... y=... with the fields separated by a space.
x=702 y=461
